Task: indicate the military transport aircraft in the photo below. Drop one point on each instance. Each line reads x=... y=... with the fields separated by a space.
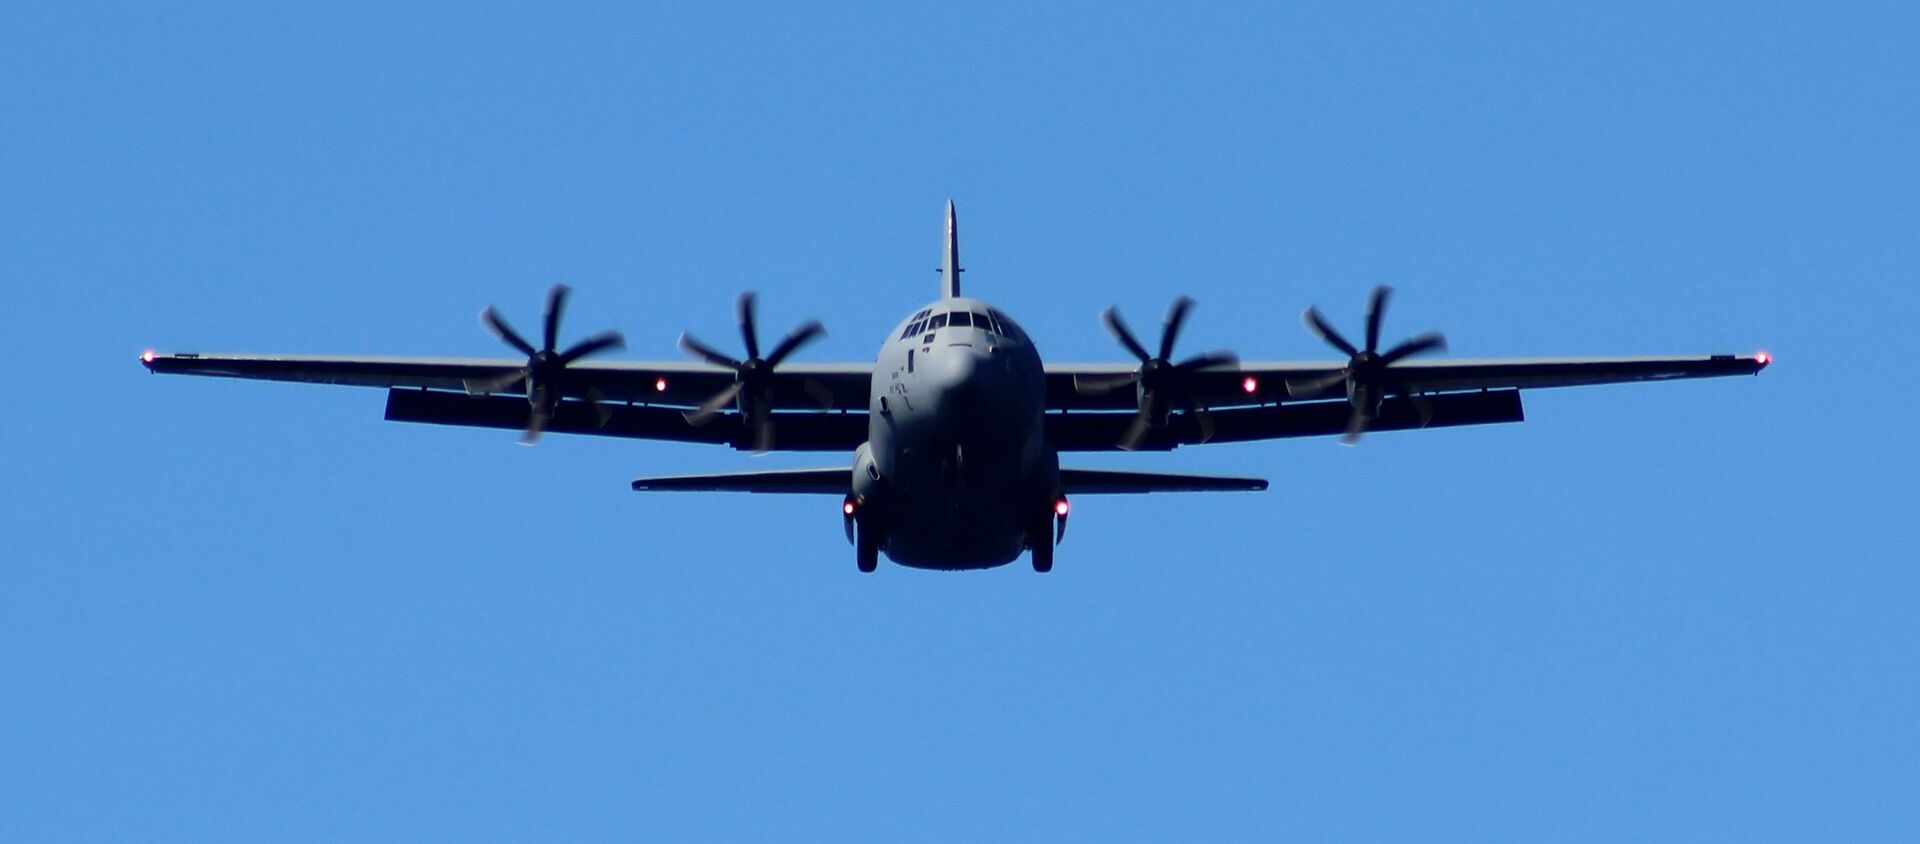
x=957 y=428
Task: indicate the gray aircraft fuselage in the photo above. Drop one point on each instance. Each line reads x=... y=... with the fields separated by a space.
x=956 y=472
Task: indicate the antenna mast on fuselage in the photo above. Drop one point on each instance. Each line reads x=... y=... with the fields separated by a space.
x=950 y=272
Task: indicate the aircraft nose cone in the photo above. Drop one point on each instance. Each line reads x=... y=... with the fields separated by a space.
x=957 y=369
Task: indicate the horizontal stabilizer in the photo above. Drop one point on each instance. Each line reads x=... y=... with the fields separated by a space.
x=1103 y=481
x=779 y=481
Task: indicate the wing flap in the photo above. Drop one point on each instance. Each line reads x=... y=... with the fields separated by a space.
x=796 y=431
x=1102 y=431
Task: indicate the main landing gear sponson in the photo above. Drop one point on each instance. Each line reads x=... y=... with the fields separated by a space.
x=1040 y=540
x=866 y=547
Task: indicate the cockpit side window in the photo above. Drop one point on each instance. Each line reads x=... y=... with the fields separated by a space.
x=1007 y=327
x=982 y=322
x=938 y=321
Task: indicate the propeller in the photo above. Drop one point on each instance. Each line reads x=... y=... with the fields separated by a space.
x=1366 y=374
x=545 y=375
x=752 y=377
x=1162 y=385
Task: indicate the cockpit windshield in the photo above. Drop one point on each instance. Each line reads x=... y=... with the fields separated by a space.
x=990 y=321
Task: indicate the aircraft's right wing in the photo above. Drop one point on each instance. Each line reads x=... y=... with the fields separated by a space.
x=795 y=386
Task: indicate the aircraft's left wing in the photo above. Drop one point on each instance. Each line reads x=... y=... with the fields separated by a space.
x=1088 y=386
x=817 y=406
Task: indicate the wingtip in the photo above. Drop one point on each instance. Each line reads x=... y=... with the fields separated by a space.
x=146 y=359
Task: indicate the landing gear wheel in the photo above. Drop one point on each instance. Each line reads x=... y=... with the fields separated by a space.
x=1041 y=542
x=866 y=549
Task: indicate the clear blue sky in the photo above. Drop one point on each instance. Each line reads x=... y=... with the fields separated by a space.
x=257 y=611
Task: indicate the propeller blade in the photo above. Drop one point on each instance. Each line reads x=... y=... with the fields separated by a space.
x=1376 y=311
x=706 y=411
x=1176 y=318
x=1203 y=421
x=556 y=304
x=1320 y=327
x=601 y=413
x=1118 y=328
x=537 y=417
x=495 y=385
x=1093 y=386
x=743 y=309
x=1301 y=388
x=1356 y=425
x=692 y=346
x=594 y=345
x=491 y=319
x=1207 y=360
x=1136 y=432
x=794 y=340
x=818 y=392
x=1425 y=407
x=535 y=424
x=763 y=434
x=1420 y=345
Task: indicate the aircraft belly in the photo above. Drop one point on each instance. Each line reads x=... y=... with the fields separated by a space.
x=962 y=515
x=956 y=526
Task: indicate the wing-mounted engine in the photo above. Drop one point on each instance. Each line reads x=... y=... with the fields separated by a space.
x=545 y=378
x=1369 y=374
x=1161 y=385
x=753 y=377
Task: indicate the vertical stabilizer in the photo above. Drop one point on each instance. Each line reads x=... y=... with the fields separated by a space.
x=950 y=271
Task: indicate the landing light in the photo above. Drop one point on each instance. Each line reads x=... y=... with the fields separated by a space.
x=1060 y=507
x=847 y=508
x=659 y=385
x=1251 y=385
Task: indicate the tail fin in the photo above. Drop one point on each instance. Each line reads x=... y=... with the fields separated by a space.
x=950 y=273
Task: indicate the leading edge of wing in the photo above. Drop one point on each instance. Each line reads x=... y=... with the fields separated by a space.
x=835 y=481
x=1116 y=482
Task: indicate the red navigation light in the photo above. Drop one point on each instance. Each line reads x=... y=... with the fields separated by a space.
x=1060 y=508
x=659 y=385
x=146 y=356
x=1763 y=358
x=1251 y=385
x=847 y=507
